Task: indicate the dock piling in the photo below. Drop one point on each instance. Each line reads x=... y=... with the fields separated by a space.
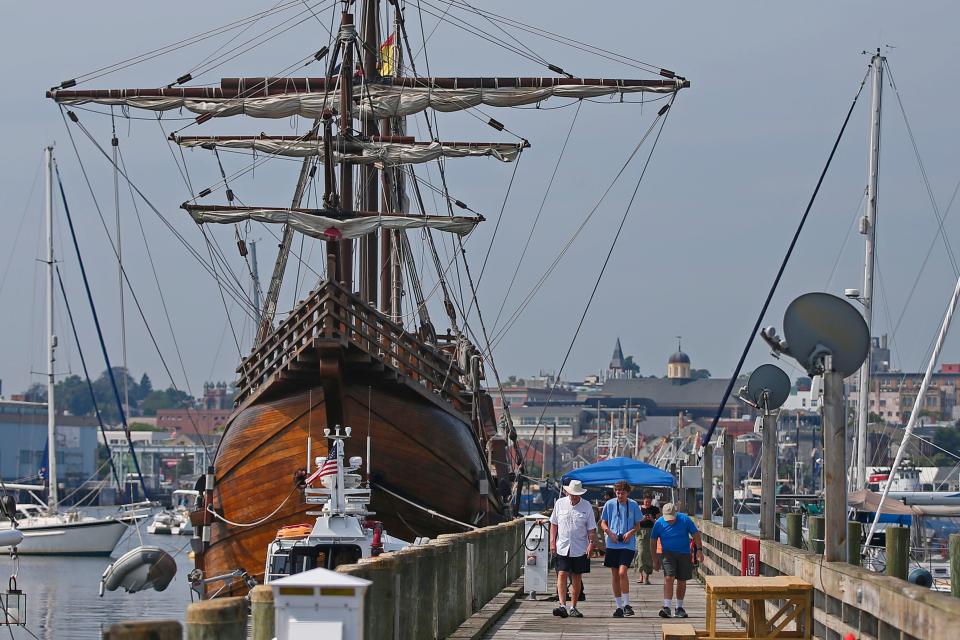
x=815 y=529
x=795 y=530
x=708 y=482
x=854 y=530
x=218 y=619
x=262 y=612
x=955 y=564
x=898 y=549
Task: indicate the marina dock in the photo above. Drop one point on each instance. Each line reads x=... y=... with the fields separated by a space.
x=534 y=619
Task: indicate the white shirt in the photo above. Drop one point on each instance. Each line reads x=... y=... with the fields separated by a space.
x=574 y=524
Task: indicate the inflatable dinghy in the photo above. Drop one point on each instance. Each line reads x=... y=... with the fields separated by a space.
x=138 y=569
x=10 y=538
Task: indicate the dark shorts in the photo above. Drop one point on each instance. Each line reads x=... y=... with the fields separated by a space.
x=576 y=564
x=677 y=565
x=619 y=558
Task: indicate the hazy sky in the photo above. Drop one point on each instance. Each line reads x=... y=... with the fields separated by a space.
x=734 y=168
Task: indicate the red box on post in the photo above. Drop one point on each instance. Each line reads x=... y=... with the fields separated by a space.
x=750 y=557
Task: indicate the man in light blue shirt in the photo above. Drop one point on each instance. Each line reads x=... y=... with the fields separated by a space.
x=620 y=520
x=674 y=531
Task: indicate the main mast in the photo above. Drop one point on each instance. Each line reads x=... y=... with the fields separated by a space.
x=53 y=498
x=868 y=226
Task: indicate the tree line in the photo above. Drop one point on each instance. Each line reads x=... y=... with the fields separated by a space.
x=72 y=395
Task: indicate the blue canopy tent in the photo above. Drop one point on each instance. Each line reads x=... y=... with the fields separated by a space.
x=610 y=471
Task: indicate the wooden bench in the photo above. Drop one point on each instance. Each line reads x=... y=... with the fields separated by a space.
x=675 y=631
x=796 y=595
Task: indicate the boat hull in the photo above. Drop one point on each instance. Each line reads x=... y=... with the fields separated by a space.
x=84 y=538
x=427 y=455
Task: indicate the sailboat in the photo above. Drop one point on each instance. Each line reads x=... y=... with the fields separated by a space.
x=47 y=529
x=343 y=357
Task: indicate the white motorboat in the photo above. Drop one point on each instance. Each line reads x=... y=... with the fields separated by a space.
x=176 y=520
x=345 y=529
x=68 y=532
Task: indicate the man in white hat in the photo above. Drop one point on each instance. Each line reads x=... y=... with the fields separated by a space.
x=572 y=536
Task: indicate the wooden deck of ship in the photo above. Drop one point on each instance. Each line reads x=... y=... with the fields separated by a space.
x=534 y=620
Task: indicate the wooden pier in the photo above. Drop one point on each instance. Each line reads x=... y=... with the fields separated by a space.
x=534 y=620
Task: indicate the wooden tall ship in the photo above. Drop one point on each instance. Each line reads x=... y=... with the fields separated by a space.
x=441 y=462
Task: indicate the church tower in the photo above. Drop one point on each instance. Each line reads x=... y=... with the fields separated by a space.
x=618 y=364
x=678 y=366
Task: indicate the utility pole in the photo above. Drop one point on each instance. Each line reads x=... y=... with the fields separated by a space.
x=768 y=475
x=834 y=465
x=868 y=227
x=554 y=466
x=728 y=480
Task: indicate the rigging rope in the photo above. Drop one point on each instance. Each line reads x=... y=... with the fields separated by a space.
x=423 y=508
x=103 y=345
x=783 y=266
x=86 y=375
x=536 y=219
x=256 y=523
x=662 y=119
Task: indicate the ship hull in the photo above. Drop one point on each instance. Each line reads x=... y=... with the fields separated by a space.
x=423 y=456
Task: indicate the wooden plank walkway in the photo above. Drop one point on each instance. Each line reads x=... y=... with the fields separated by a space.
x=534 y=620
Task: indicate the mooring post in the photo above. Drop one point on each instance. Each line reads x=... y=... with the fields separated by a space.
x=898 y=549
x=219 y=619
x=955 y=564
x=815 y=529
x=144 y=630
x=728 y=480
x=708 y=483
x=795 y=530
x=834 y=465
x=262 y=612
x=854 y=530
x=768 y=477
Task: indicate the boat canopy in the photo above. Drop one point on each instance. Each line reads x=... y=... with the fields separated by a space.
x=610 y=471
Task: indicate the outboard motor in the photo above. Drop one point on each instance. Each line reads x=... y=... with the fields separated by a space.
x=8 y=507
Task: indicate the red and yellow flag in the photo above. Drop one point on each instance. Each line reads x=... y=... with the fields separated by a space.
x=388 y=56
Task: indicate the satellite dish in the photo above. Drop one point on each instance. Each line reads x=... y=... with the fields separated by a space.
x=819 y=324
x=771 y=381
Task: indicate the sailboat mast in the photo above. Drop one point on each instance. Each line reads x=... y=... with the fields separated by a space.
x=347 y=37
x=868 y=225
x=53 y=498
x=369 y=179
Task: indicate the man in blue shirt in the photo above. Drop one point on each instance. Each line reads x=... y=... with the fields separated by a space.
x=674 y=531
x=619 y=521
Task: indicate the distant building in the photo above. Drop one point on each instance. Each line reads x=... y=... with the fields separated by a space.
x=119 y=438
x=215 y=408
x=193 y=421
x=618 y=364
x=670 y=396
x=567 y=419
x=893 y=393
x=23 y=444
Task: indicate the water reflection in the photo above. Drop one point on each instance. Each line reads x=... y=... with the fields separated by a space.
x=63 y=599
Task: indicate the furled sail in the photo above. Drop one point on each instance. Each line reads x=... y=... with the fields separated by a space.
x=381 y=98
x=327 y=224
x=387 y=152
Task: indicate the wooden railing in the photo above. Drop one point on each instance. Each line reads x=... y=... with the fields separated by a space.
x=331 y=313
x=847 y=599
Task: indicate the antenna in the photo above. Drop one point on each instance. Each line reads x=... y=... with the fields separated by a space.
x=768 y=388
x=819 y=324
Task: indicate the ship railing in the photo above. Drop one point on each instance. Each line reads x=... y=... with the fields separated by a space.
x=331 y=312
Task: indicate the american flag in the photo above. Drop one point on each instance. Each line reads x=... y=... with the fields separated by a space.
x=328 y=468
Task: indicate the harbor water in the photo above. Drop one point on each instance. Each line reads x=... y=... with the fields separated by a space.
x=63 y=598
